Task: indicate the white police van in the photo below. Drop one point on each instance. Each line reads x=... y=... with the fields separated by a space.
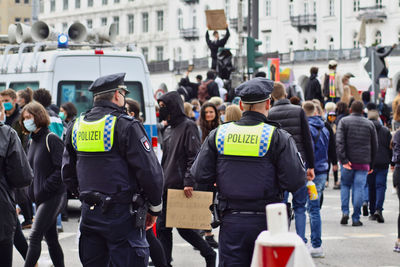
x=68 y=72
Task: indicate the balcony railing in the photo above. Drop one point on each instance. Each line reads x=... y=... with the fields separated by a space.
x=372 y=14
x=200 y=63
x=315 y=55
x=189 y=34
x=304 y=22
x=181 y=65
x=233 y=24
x=191 y=1
x=158 y=66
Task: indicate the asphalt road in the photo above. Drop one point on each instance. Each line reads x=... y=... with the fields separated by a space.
x=369 y=245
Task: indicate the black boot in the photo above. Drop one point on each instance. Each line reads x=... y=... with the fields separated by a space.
x=379 y=216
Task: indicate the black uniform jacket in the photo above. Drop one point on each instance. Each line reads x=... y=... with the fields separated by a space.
x=252 y=178
x=215 y=45
x=135 y=161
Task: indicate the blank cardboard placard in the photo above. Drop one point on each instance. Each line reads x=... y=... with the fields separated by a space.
x=189 y=213
x=216 y=19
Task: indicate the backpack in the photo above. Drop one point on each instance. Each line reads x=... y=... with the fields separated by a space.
x=202 y=93
x=320 y=138
x=325 y=89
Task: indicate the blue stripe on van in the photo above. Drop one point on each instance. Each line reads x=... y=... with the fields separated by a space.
x=151 y=130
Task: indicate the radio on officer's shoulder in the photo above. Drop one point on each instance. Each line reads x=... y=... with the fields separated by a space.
x=138 y=211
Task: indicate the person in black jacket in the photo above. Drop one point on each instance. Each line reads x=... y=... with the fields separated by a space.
x=313 y=88
x=293 y=119
x=356 y=147
x=215 y=45
x=377 y=179
x=249 y=175
x=14 y=173
x=180 y=147
x=47 y=190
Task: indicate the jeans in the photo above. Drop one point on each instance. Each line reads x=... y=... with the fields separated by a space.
x=377 y=188
x=366 y=192
x=355 y=180
x=313 y=209
x=299 y=202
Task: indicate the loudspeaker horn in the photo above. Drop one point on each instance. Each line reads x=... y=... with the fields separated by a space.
x=12 y=28
x=42 y=31
x=23 y=33
x=106 y=33
x=77 y=32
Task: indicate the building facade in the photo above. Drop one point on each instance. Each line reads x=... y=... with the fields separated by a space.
x=14 y=11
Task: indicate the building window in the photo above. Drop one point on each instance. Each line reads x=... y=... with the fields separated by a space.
x=160 y=21
x=378 y=37
x=180 y=19
x=65 y=4
x=356 y=5
x=378 y=3
x=268 y=8
x=26 y=1
x=116 y=1
x=17 y=19
x=104 y=2
x=315 y=7
x=17 y=1
x=331 y=7
x=64 y=26
x=290 y=8
x=267 y=43
x=116 y=21
x=145 y=52
x=89 y=23
x=227 y=8
x=77 y=3
x=41 y=6
x=52 y=5
x=305 y=44
x=145 y=22
x=331 y=44
x=290 y=46
x=179 y=54
x=355 y=40
x=131 y=24
x=306 y=7
x=160 y=52
x=90 y=3
x=103 y=21
x=194 y=21
x=27 y=20
x=315 y=44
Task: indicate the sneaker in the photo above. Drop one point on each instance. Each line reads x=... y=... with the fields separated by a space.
x=336 y=186
x=211 y=241
x=358 y=223
x=396 y=247
x=26 y=225
x=60 y=229
x=372 y=217
x=317 y=252
x=365 y=209
x=379 y=217
x=345 y=219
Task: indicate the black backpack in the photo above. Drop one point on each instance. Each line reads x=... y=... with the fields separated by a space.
x=325 y=89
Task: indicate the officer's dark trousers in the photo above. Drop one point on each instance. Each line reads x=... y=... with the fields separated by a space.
x=191 y=236
x=110 y=239
x=237 y=235
x=157 y=253
x=6 y=251
x=45 y=225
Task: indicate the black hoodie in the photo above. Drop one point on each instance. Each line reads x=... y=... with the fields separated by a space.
x=181 y=142
x=384 y=153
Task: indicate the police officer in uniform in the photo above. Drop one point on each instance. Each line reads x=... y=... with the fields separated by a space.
x=109 y=163
x=252 y=162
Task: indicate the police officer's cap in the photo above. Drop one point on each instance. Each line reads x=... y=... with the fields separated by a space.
x=254 y=91
x=108 y=83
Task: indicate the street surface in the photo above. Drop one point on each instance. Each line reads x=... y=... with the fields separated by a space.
x=369 y=245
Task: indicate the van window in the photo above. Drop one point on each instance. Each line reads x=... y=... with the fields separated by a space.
x=136 y=93
x=2 y=86
x=76 y=92
x=23 y=85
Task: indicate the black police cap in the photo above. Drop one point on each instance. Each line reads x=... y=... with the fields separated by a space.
x=254 y=91
x=108 y=83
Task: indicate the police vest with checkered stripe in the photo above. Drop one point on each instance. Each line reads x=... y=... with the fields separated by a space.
x=244 y=140
x=94 y=136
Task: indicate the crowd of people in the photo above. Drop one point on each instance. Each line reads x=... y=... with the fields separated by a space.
x=333 y=127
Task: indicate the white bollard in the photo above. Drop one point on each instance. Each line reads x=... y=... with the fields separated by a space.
x=278 y=247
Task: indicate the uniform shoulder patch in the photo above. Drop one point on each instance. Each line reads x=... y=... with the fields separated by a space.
x=145 y=143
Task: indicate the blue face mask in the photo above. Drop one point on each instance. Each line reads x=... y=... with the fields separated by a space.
x=61 y=115
x=8 y=106
x=30 y=125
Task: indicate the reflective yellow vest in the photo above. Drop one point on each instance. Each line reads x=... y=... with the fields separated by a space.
x=94 y=136
x=244 y=140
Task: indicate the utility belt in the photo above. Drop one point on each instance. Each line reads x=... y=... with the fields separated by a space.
x=138 y=205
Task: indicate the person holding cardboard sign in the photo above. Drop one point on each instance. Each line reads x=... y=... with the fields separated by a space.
x=216 y=44
x=252 y=162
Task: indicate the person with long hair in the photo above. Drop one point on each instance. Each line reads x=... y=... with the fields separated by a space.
x=209 y=119
x=342 y=110
x=47 y=189
x=24 y=97
x=233 y=113
x=68 y=112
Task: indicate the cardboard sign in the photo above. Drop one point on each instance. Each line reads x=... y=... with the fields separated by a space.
x=189 y=213
x=216 y=19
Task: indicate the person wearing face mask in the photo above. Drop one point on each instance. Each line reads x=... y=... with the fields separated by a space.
x=14 y=173
x=47 y=189
x=252 y=162
x=67 y=112
x=109 y=163
x=181 y=143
